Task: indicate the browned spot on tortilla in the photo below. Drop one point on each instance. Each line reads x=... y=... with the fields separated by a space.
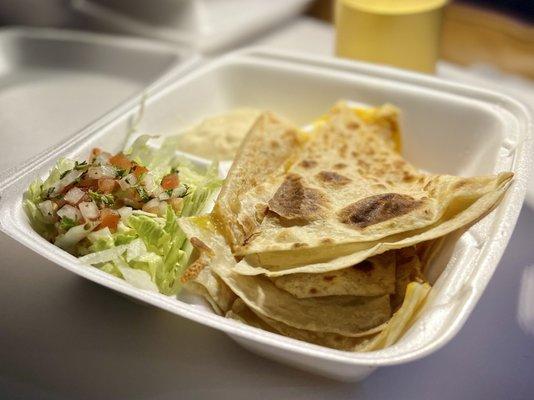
x=328 y=278
x=298 y=245
x=380 y=172
x=353 y=125
x=407 y=177
x=200 y=245
x=282 y=236
x=364 y=266
x=461 y=183
x=308 y=163
x=260 y=211
x=354 y=154
x=339 y=166
x=399 y=164
x=378 y=208
x=343 y=150
x=274 y=144
x=362 y=164
x=332 y=178
x=327 y=241
x=293 y=200
x=313 y=290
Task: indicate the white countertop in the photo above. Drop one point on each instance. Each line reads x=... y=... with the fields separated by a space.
x=62 y=337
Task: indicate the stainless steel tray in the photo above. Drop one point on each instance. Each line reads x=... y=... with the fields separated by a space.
x=55 y=82
x=207 y=25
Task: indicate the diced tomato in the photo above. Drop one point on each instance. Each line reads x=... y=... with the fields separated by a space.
x=106 y=185
x=109 y=219
x=88 y=183
x=95 y=153
x=139 y=170
x=171 y=181
x=119 y=160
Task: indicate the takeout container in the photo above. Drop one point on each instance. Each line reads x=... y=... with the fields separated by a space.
x=448 y=128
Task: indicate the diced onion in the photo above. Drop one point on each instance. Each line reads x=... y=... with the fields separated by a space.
x=68 y=211
x=152 y=206
x=74 y=196
x=179 y=191
x=164 y=196
x=74 y=235
x=103 y=158
x=150 y=185
x=125 y=212
x=48 y=208
x=89 y=210
x=103 y=171
x=128 y=181
x=101 y=234
x=69 y=178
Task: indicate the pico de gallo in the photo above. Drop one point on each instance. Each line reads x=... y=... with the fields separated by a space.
x=119 y=211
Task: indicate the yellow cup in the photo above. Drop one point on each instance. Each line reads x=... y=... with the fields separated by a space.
x=402 y=33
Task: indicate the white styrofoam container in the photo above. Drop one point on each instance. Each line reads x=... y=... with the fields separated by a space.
x=448 y=128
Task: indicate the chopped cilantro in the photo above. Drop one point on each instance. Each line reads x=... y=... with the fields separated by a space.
x=187 y=191
x=81 y=166
x=106 y=199
x=142 y=193
x=120 y=173
x=78 y=166
x=66 y=223
x=50 y=191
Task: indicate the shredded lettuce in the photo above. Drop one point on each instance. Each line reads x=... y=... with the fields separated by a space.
x=146 y=243
x=35 y=195
x=148 y=251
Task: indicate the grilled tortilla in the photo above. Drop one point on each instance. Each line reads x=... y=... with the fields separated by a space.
x=352 y=316
x=268 y=146
x=325 y=236
x=390 y=332
x=349 y=193
x=372 y=277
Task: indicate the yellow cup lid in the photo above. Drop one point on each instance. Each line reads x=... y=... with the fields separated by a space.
x=394 y=6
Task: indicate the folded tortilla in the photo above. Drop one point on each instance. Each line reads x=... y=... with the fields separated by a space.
x=324 y=236
x=372 y=277
x=345 y=315
x=268 y=146
x=390 y=333
x=347 y=195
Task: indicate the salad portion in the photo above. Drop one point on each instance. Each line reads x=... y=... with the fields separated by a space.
x=119 y=212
